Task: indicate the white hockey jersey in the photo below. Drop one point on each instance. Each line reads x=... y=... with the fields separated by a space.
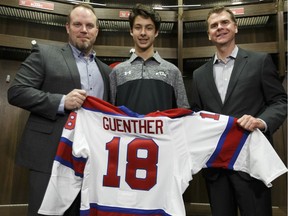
x=127 y=164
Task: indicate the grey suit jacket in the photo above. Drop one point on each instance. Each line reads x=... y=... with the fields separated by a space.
x=43 y=78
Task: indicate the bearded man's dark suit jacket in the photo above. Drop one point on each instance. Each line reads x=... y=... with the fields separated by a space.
x=43 y=78
x=254 y=89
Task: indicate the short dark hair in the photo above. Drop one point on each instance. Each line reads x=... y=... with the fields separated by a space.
x=146 y=12
x=218 y=10
x=84 y=5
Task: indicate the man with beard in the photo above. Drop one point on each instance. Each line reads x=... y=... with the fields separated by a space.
x=146 y=82
x=50 y=83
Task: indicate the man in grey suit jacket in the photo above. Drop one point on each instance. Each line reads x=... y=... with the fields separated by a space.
x=245 y=85
x=50 y=83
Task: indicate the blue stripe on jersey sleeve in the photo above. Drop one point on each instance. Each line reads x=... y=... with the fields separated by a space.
x=221 y=142
x=239 y=148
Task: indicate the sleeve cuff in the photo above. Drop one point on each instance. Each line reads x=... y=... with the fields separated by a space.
x=61 y=108
x=265 y=125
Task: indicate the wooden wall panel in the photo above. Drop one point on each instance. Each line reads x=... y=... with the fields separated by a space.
x=32 y=30
x=13 y=179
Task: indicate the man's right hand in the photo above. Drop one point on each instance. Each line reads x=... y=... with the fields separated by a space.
x=75 y=99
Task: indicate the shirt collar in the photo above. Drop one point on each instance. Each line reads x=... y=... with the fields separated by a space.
x=78 y=54
x=155 y=56
x=232 y=55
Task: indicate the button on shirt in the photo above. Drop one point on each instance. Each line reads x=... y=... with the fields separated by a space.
x=222 y=72
x=90 y=76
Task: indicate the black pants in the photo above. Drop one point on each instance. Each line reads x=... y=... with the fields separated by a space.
x=231 y=190
x=38 y=183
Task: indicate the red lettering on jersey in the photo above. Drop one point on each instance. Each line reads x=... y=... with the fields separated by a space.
x=147 y=163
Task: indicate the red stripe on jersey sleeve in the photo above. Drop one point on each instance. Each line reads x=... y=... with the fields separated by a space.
x=64 y=151
x=230 y=146
x=64 y=156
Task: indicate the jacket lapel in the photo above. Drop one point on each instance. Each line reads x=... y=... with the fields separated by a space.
x=240 y=62
x=211 y=84
x=71 y=65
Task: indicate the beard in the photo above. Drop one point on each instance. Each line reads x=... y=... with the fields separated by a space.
x=83 y=46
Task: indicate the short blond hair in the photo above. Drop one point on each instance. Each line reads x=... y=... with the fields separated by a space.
x=84 y=5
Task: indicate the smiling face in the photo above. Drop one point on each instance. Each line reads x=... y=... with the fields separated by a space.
x=222 y=29
x=82 y=29
x=143 y=33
